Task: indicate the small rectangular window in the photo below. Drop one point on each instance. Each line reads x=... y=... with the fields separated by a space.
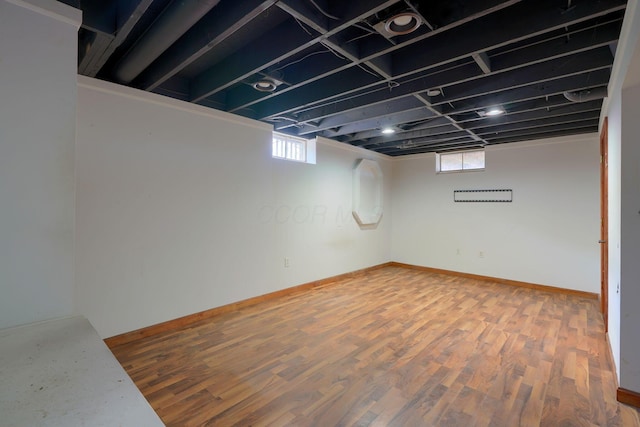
x=460 y=161
x=289 y=147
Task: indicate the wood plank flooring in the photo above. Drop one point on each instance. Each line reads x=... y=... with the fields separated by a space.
x=392 y=347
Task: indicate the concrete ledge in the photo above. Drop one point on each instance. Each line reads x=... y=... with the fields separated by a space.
x=60 y=373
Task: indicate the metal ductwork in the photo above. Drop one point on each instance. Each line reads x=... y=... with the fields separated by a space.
x=587 y=94
x=176 y=20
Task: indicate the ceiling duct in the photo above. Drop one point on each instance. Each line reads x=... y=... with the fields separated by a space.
x=586 y=95
x=176 y=20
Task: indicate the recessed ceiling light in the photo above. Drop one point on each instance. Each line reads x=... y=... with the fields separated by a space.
x=388 y=131
x=494 y=111
x=402 y=20
x=402 y=23
x=266 y=84
x=434 y=92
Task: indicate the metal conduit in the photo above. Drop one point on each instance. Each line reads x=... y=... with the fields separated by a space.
x=586 y=95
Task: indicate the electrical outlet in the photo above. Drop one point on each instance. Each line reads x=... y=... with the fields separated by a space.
x=286 y=262
x=480 y=254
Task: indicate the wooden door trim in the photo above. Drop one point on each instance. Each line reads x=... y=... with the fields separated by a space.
x=604 y=223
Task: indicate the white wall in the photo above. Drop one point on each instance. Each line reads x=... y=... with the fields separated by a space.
x=622 y=122
x=38 y=52
x=630 y=241
x=311 y=211
x=548 y=235
x=181 y=208
x=630 y=215
x=615 y=161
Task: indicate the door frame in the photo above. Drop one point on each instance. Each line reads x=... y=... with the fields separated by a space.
x=604 y=223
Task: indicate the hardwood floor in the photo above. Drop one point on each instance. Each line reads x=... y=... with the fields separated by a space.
x=393 y=347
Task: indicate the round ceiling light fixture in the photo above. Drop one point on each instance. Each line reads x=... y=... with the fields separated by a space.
x=266 y=84
x=434 y=92
x=495 y=111
x=388 y=131
x=402 y=23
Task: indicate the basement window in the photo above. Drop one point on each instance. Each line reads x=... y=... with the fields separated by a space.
x=460 y=161
x=293 y=148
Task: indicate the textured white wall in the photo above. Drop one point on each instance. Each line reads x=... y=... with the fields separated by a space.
x=548 y=235
x=37 y=130
x=181 y=209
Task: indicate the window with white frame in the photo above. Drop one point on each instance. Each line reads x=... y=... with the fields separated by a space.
x=293 y=148
x=460 y=161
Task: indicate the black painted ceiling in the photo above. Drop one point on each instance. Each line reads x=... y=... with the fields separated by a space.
x=339 y=74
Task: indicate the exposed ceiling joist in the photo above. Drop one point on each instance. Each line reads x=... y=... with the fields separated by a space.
x=345 y=70
x=209 y=32
x=483 y=61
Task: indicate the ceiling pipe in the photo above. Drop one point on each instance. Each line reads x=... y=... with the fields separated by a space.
x=586 y=95
x=176 y=20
